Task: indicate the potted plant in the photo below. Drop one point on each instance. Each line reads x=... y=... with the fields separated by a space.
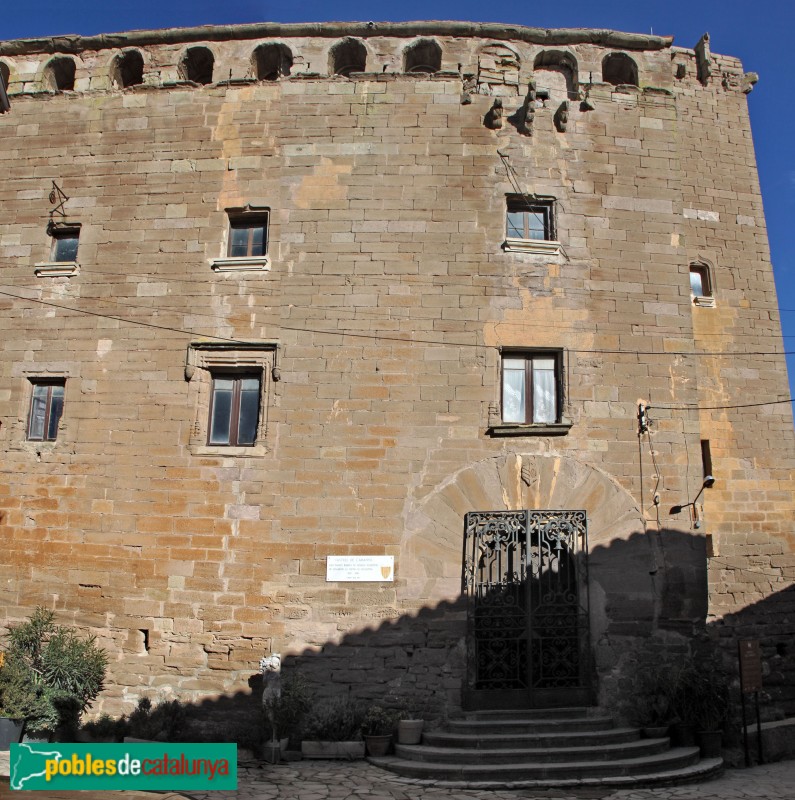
x=377 y=727
x=653 y=711
x=332 y=729
x=288 y=710
x=17 y=701
x=62 y=672
x=684 y=682
x=710 y=699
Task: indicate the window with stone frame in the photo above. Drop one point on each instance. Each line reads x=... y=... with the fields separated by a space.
x=246 y=241
x=530 y=224
x=230 y=385
x=46 y=409
x=532 y=394
x=64 y=244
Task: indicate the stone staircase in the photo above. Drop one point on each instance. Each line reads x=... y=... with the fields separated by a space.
x=546 y=748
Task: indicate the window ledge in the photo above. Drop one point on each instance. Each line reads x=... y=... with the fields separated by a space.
x=241 y=264
x=56 y=269
x=533 y=429
x=704 y=302
x=222 y=451
x=541 y=246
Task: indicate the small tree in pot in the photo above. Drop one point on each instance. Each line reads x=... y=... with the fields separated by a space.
x=63 y=673
x=377 y=728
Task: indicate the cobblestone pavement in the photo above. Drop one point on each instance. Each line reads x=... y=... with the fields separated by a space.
x=358 y=780
x=335 y=780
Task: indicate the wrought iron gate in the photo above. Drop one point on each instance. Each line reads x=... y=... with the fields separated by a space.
x=526 y=579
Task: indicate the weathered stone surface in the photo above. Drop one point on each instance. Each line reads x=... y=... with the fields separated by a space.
x=386 y=300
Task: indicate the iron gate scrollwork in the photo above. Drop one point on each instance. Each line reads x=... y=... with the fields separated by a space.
x=525 y=577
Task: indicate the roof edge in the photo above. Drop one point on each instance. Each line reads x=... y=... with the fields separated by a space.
x=74 y=43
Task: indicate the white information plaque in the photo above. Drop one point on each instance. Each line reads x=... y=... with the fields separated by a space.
x=360 y=568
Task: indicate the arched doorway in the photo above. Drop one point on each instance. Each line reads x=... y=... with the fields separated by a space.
x=525 y=577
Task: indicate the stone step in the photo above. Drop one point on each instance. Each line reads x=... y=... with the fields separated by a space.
x=572 y=712
x=529 y=725
x=559 y=738
x=569 y=771
x=517 y=753
x=700 y=771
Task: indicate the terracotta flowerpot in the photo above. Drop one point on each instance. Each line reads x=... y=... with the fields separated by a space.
x=410 y=731
x=378 y=745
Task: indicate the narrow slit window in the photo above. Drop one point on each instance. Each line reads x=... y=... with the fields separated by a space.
x=699 y=281
x=706 y=458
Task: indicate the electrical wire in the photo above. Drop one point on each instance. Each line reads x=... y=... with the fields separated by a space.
x=387 y=337
x=695 y=406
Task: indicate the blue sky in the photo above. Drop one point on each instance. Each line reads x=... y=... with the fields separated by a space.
x=759 y=33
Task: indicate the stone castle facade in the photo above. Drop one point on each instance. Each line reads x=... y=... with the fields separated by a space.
x=325 y=290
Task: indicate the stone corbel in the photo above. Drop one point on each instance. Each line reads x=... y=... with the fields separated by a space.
x=704 y=59
x=562 y=116
x=493 y=118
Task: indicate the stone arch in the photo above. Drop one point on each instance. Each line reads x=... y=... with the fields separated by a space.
x=197 y=65
x=347 y=56
x=560 y=70
x=498 y=66
x=424 y=55
x=432 y=546
x=127 y=69
x=271 y=61
x=59 y=74
x=619 y=69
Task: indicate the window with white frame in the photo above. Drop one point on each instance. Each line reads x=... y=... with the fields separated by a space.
x=531 y=387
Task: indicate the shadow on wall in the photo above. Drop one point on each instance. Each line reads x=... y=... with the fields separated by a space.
x=647 y=604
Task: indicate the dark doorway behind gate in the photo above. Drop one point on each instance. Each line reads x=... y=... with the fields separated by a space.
x=525 y=578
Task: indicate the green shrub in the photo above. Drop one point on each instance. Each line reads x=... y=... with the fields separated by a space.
x=290 y=709
x=379 y=721
x=164 y=722
x=338 y=719
x=61 y=673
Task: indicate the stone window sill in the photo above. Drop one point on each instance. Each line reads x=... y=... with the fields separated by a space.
x=539 y=246
x=241 y=264
x=258 y=451
x=56 y=269
x=704 y=302
x=534 y=429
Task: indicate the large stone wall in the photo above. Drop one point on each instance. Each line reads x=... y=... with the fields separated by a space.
x=387 y=300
